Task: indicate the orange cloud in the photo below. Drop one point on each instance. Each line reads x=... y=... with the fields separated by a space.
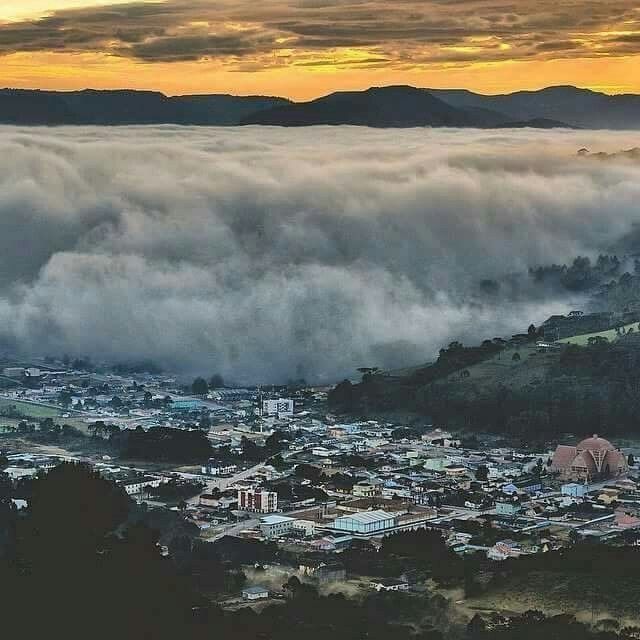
x=301 y=48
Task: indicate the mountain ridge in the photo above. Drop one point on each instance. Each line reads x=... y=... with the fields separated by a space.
x=393 y=106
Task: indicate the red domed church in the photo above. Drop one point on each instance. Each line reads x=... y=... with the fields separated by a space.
x=592 y=459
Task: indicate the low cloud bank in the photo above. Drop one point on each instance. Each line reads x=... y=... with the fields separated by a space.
x=268 y=254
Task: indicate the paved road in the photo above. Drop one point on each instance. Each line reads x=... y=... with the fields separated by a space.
x=222 y=483
x=235 y=529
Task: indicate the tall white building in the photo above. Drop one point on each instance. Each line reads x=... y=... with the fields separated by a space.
x=279 y=407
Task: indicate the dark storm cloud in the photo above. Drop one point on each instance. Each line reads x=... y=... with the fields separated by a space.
x=267 y=254
x=404 y=32
x=195 y=47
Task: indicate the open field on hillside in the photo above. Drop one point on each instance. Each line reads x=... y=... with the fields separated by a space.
x=30 y=409
x=610 y=335
x=530 y=365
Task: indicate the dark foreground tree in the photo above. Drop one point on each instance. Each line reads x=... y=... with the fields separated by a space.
x=74 y=570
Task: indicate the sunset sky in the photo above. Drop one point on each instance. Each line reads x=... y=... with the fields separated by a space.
x=306 y=48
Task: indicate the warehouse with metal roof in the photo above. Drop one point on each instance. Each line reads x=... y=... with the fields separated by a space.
x=365 y=522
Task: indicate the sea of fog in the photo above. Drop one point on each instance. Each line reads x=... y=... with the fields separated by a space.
x=266 y=254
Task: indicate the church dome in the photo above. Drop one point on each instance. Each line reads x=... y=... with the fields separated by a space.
x=595 y=443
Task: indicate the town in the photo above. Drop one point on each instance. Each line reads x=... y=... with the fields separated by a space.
x=274 y=466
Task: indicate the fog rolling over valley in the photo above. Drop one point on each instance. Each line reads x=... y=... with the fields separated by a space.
x=268 y=254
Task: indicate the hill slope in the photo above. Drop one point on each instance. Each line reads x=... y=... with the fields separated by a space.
x=523 y=391
x=394 y=106
x=398 y=106
x=578 y=107
x=121 y=107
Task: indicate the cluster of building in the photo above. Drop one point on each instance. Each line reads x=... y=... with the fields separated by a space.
x=331 y=484
x=368 y=480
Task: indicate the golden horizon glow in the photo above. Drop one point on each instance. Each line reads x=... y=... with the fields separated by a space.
x=16 y=10
x=301 y=52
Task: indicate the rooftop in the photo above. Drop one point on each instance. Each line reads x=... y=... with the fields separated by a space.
x=366 y=517
x=275 y=519
x=255 y=590
x=595 y=443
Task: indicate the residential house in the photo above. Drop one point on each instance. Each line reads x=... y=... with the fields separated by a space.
x=255 y=593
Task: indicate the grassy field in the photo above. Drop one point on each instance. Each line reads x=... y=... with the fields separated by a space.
x=30 y=410
x=503 y=371
x=610 y=335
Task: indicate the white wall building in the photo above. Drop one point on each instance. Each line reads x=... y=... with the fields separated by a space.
x=279 y=407
x=255 y=593
x=276 y=526
x=212 y=469
x=307 y=528
x=138 y=485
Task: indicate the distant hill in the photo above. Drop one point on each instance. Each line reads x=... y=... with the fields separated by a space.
x=123 y=107
x=394 y=106
x=521 y=390
x=223 y=110
x=399 y=106
x=577 y=107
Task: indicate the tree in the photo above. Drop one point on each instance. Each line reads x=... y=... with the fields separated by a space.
x=482 y=473
x=162 y=444
x=98 y=429
x=369 y=374
x=77 y=527
x=278 y=463
x=73 y=508
x=343 y=396
x=216 y=381
x=292 y=585
x=476 y=628
x=64 y=398
x=307 y=471
x=199 y=387
x=275 y=443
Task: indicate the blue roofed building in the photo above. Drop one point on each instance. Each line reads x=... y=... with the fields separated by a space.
x=187 y=405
